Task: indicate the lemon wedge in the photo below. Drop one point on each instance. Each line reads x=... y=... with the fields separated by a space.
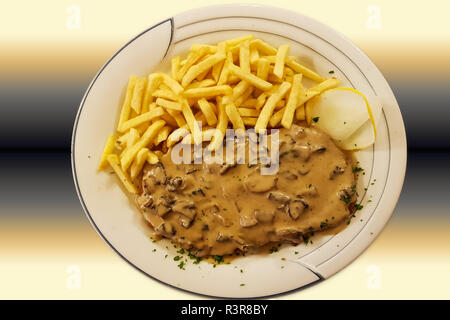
x=348 y=116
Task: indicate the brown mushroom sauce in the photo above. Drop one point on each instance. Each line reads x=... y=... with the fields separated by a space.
x=226 y=209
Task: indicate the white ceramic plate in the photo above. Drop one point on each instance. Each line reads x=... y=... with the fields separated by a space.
x=118 y=221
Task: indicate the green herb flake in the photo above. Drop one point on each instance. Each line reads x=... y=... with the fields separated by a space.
x=316 y=119
x=218 y=259
x=242 y=284
x=273 y=249
x=331 y=72
x=176 y=258
x=181 y=265
x=181 y=251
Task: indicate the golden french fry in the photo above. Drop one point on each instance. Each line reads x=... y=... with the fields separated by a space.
x=296 y=90
x=234 y=116
x=192 y=58
x=216 y=71
x=176 y=136
x=191 y=121
x=162 y=135
x=138 y=92
x=121 y=174
x=148 y=116
x=237 y=41
x=251 y=78
x=262 y=70
x=249 y=103
x=300 y=113
x=254 y=55
x=107 y=150
x=221 y=127
x=250 y=122
x=177 y=116
x=207 y=110
x=297 y=67
x=172 y=84
x=146 y=138
x=201 y=67
x=153 y=82
x=276 y=117
x=167 y=104
x=201 y=84
x=175 y=66
x=246 y=112
x=308 y=111
x=132 y=137
x=244 y=56
x=278 y=69
x=166 y=94
x=267 y=110
x=139 y=162
x=326 y=85
x=169 y=119
x=263 y=47
x=225 y=70
x=208 y=92
x=243 y=97
x=210 y=49
x=309 y=94
x=152 y=157
x=126 y=107
x=261 y=100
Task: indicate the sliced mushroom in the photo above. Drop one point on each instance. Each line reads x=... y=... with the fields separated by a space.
x=288 y=233
x=247 y=221
x=186 y=208
x=301 y=152
x=309 y=191
x=260 y=183
x=264 y=215
x=154 y=176
x=304 y=170
x=222 y=238
x=288 y=175
x=296 y=208
x=175 y=184
x=166 y=229
x=164 y=205
x=279 y=197
x=144 y=201
x=338 y=170
x=225 y=167
x=214 y=208
x=318 y=149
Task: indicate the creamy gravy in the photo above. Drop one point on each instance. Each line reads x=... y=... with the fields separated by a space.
x=224 y=209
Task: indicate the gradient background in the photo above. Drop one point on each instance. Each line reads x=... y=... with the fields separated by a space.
x=46 y=65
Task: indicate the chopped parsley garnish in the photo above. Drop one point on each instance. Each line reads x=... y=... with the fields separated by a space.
x=273 y=249
x=323 y=224
x=357 y=169
x=181 y=265
x=242 y=284
x=358 y=206
x=331 y=71
x=315 y=119
x=176 y=258
x=193 y=257
x=181 y=251
x=218 y=259
x=305 y=241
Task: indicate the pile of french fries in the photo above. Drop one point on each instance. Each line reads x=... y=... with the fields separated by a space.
x=239 y=83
